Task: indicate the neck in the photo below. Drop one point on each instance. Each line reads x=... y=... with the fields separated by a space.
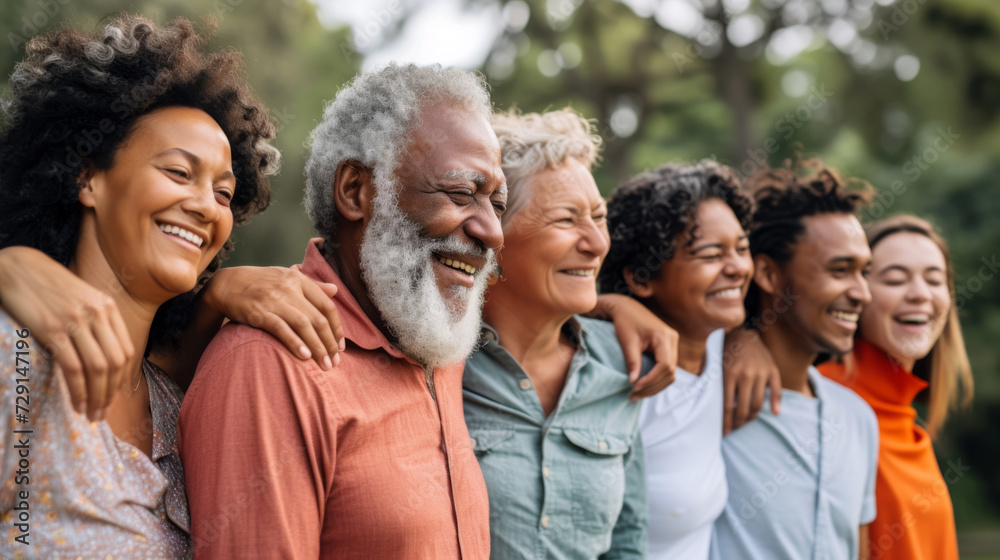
x=691 y=352
x=137 y=313
x=523 y=332
x=347 y=264
x=791 y=354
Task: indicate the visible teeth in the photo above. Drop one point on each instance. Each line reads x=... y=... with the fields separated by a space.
x=580 y=271
x=728 y=293
x=458 y=265
x=844 y=316
x=915 y=318
x=182 y=233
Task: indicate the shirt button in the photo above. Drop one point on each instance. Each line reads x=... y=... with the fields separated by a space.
x=545 y=521
x=603 y=445
x=526 y=384
x=545 y=472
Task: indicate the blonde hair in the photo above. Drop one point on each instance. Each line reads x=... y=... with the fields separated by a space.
x=946 y=366
x=534 y=142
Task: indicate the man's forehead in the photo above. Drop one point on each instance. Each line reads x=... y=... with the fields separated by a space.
x=838 y=234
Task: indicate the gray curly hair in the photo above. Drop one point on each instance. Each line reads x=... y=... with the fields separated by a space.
x=534 y=142
x=371 y=121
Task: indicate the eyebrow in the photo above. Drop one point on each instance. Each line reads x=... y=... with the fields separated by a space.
x=849 y=260
x=467 y=175
x=475 y=178
x=196 y=161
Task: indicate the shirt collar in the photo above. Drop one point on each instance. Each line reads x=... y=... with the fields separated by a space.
x=883 y=378
x=357 y=326
x=573 y=328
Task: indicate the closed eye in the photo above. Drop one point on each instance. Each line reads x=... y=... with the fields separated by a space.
x=182 y=173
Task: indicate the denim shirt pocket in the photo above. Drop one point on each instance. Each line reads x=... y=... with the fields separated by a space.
x=494 y=449
x=598 y=471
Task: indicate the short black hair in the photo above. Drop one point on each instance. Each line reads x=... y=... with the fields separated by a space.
x=648 y=213
x=783 y=197
x=74 y=100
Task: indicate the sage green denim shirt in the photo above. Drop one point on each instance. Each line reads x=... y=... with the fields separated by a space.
x=570 y=485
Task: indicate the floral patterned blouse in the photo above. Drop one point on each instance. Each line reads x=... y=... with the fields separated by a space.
x=68 y=487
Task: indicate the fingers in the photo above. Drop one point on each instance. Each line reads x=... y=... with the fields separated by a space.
x=658 y=379
x=775 y=384
x=633 y=356
x=66 y=357
x=728 y=403
x=327 y=322
x=114 y=357
x=96 y=367
x=756 y=400
x=744 y=394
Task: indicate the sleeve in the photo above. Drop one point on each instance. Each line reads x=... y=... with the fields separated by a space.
x=868 y=506
x=256 y=455
x=629 y=539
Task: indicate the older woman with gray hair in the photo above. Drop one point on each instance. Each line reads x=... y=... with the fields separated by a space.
x=547 y=394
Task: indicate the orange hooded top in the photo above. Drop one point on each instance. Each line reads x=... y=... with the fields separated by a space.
x=914 y=519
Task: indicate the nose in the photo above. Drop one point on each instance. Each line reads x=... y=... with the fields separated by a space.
x=201 y=202
x=595 y=239
x=738 y=266
x=484 y=226
x=859 y=291
x=917 y=290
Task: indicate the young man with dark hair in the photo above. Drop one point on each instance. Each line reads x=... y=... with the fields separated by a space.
x=801 y=485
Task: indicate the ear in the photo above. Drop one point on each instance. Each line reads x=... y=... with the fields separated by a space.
x=353 y=190
x=640 y=289
x=87 y=180
x=766 y=274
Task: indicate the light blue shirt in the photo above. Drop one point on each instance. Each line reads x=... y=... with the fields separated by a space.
x=569 y=485
x=801 y=483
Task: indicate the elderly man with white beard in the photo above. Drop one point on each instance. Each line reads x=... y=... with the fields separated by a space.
x=372 y=458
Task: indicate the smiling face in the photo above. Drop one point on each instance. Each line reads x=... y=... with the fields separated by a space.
x=824 y=281
x=161 y=213
x=452 y=187
x=554 y=246
x=910 y=298
x=702 y=287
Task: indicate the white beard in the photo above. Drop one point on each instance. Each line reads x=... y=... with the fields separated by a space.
x=397 y=264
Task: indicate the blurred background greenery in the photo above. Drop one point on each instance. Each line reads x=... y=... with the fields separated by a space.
x=902 y=93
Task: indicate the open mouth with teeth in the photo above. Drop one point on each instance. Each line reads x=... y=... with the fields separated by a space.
x=457 y=265
x=584 y=272
x=913 y=319
x=184 y=234
x=845 y=316
x=728 y=293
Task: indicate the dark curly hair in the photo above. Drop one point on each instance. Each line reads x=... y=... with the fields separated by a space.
x=783 y=197
x=647 y=214
x=75 y=99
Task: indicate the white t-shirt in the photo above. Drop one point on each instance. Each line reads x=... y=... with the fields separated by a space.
x=685 y=473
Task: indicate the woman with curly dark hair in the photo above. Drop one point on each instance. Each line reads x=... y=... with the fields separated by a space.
x=128 y=157
x=679 y=245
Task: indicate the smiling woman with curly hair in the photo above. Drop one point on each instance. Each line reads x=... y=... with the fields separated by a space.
x=127 y=156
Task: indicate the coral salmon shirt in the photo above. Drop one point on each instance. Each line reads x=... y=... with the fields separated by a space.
x=915 y=520
x=366 y=460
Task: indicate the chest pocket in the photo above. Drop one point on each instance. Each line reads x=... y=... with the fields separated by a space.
x=496 y=454
x=598 y=470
